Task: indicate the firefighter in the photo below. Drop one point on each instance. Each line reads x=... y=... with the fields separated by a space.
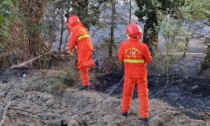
x=80 y=39
x=135 y=55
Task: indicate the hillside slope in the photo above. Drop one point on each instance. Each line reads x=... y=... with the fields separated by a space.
x=37 y=101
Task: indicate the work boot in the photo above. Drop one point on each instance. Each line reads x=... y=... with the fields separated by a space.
x=99 y=64
x=125 y=114
x=83 y=88
x=144 y=122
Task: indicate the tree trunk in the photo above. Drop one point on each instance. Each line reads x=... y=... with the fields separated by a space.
x=150 y=32
x=61 y=35
x=33 y=11
x=80 y=8
x=185 y=48
x=206 y=62
x=130 y=11
x=112 y=29
x=32 y=15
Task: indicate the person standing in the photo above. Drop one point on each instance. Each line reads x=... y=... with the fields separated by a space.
x=135 y=55
x=80 y=39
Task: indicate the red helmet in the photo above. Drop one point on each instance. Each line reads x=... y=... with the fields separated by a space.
x=134 y=30
x=73 y=19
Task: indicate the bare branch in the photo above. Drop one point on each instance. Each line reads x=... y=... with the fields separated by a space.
x=5 y=113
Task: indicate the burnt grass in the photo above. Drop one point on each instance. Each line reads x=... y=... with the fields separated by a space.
x=6 y=75
x=192 y=93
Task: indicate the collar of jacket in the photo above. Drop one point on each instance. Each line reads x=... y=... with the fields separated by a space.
x=134 y=39
x=75 y=24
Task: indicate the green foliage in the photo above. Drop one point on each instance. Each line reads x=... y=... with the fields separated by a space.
x=152 y=12
x=200 y=9
x=206 y=62
x=3 y=26
x=105 y=47
x=195 y=10
x=190 y=14
x=179 y=29
x=71 y=78
x=7 y=12
x=145 y=8
x=60 y=79
x=174 y=34
x=160 y=7
x=163 y=64
x=7 y=8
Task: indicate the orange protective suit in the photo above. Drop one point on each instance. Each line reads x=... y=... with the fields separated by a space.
x=135 y=56
x=81 y=39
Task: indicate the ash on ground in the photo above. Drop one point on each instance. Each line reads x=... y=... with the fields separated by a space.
x=36 y=100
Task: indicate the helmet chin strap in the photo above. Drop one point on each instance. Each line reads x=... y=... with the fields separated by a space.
x=128 y=36
x=136 y=37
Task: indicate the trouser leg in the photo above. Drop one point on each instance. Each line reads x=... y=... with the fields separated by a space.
x=128 y=88
x=84 y=76
x=85 y=61
x=142 y=87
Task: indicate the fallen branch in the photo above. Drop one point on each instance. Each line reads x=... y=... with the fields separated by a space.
x=5 y=113
x=28 y=115
x=24 y=110
x=207 y=113
x=36 y=115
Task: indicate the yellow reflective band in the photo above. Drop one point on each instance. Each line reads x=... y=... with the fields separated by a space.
x=133 y=61
x=83 y=36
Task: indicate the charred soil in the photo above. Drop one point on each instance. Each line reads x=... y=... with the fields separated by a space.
x=36 y=99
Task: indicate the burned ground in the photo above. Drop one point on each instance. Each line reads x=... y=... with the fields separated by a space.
x=33 y=91
x=191 y=93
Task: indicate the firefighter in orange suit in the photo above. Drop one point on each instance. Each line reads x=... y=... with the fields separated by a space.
x=81 y=40
x=135 y=55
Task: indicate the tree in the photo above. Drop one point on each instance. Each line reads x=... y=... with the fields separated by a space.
x=7 y=12
x=33 y=11
x=151 y=12
x=198 y=11
x=193 y=16
x=87 y=11
x=112 y=29
x=130 y=10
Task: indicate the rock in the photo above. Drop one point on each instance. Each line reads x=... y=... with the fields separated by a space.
x=50 y=102
x=54 y=122
x=15 y=94
x=156 y=121
x=29 y=97
x=23 y=106
x=64 y=123
x=47 y=97
x=72 y=122
x=7 y=121
x=208 y=123
x=78 y=120
x=2 y=94
x=25 y=86
x=24 y=75
x=133 y=123
x=20 y=123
